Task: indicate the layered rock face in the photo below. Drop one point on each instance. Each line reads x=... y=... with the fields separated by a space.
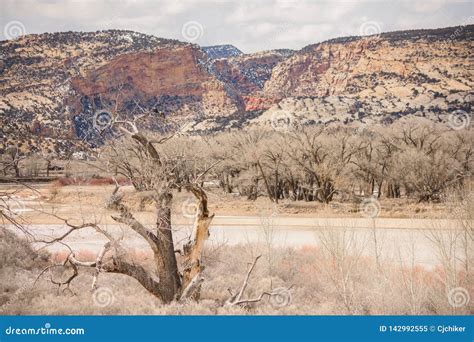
x=36 y=82
x=248 y=74
x=172 y=82
x=377 y=79
x=53 y=85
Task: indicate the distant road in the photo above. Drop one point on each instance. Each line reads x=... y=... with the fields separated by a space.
x=344 y=222
x=395 y=237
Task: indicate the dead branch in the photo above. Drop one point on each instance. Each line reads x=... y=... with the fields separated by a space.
x=98 y=265
x=193 y=288
x=60 y=283
x=127 y=218
x=237 y=298
x=233 y=300
x=193 y=249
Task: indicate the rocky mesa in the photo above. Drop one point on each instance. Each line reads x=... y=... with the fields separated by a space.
x=52 y=85
x=376 y=79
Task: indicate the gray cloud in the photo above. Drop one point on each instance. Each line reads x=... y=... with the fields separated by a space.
x=250 y=25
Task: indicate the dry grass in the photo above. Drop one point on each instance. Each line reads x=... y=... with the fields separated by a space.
x=331 y=279
x=18 y=262
x=315 y=273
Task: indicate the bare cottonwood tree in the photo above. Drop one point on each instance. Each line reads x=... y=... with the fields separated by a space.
x=172 y=278
x=324 y=157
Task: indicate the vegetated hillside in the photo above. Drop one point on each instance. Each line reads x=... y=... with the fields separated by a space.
x=52 y=86
x=221 y=51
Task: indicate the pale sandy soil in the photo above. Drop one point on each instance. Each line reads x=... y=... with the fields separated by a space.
x=48 y=203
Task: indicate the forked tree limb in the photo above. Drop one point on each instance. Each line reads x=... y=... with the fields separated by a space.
x=233 y=300
x=148 y=145
x=60 y=283
x=127 y=218
x=238 y=299
x=259 y=298
x=120 y=264
x=165 y=281
x=190 y=284
x=71 y=229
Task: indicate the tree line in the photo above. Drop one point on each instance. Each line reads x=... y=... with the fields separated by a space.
x=412 y=158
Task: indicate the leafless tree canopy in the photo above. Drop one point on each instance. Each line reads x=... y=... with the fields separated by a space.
x=412 y=158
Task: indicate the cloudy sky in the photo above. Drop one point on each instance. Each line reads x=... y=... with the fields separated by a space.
x=249 y=25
